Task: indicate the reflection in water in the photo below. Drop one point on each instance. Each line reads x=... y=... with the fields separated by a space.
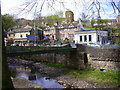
x=22 y=74
x=21 y=71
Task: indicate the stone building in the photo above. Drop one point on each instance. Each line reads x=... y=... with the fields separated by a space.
x=23 y=35
x=62 y=31
x=69 y=16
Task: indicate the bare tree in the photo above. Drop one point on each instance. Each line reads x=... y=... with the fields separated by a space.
x=89 y=6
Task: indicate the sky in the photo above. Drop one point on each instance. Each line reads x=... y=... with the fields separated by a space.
x=13 y=6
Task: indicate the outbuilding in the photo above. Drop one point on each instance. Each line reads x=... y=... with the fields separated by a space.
x=91 y=36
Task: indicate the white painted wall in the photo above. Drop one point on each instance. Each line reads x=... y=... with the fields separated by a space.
x=77 y=38
x=18 y=35
x=94 y=36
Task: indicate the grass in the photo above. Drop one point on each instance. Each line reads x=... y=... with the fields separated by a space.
x=101 y=77
x=54 y=64
x=107 y=77
x=89 y=28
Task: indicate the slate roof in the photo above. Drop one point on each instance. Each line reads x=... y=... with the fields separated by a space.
x=63 y=26
x=25 y=29
x=89 y=30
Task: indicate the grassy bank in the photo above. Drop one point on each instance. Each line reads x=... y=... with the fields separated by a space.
x=53 y=64
x=106 y=77
x=101 y=77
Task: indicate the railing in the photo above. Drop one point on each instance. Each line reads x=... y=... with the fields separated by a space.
x=41 y=51
x=30 y=50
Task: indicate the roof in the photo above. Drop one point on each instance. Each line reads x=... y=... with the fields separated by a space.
x=25 y=29
x=63 y=26
x=89 y=30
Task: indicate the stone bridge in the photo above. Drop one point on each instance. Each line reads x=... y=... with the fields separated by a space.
x=82 y=57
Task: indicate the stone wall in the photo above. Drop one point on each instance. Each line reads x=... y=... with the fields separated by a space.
x=85 y=57
x=101 y=53
x=47 y=57
x=101 y=58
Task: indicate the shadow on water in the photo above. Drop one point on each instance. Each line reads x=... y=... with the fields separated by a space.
x=27 y=73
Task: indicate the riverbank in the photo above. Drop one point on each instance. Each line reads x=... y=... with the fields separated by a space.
x=58 y=74
x=23 y=83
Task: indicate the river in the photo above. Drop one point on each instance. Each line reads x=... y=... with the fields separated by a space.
x=34 y=76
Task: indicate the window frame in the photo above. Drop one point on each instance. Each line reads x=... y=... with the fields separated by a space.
x=85 y=38
x=81 y=39
x=90 y=38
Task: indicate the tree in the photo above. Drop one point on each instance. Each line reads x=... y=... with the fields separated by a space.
x=88 y=6
x=7 y=22
x=92 y=23
x=53 y=19
x=100 y=23
x=106 y=21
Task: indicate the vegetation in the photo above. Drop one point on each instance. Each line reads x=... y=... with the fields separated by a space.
x=54 y=64
x=113 y=34
x=57 y=18
x=88 y=28
x=92 y=23
x=7 y=22
x=100 y=22
x=106 y=77
x=101 y=77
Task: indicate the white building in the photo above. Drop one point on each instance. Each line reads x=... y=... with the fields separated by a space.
x=91 y=36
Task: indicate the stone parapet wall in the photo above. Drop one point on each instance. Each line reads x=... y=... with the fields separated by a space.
x=101 y=53
x=101 y=58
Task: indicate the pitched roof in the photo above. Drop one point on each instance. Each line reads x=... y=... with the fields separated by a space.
x=89 y=30
x=25 y=29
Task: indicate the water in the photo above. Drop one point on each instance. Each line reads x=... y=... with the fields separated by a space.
x=21 y=71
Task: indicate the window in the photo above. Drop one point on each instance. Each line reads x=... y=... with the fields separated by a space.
x=21 y=36
x=85 y=38
x=70 y=35
x=98 y=38
x=26 y=35
x=90 y=38
x=62 y=35
x=80 y=38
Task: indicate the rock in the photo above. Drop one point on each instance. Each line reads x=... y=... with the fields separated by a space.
x=32 y=77
x=59 y=75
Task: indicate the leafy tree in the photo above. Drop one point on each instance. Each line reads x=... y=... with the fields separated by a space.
x=100 y=21
x=84 y=22
x=51 y=20
x=105 y=21
x=60 y=14
x=7 y=22
x=92 y=23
